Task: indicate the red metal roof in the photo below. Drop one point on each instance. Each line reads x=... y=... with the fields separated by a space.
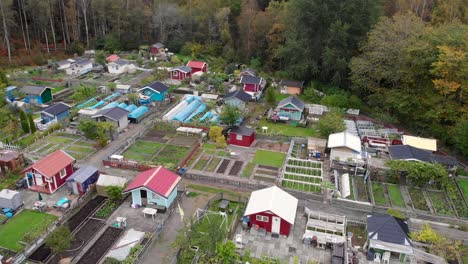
x=112 y=58
x=196 y=64
x=159 y=180
x=52 y=164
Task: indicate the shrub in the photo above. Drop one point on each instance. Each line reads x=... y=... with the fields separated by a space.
x=114 y=193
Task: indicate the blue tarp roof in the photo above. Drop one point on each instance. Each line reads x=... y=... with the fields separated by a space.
x=82 y=174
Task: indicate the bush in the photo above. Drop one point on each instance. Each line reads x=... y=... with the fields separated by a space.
x=107 y=209
x=76 y=47
x=114 y=193
x=59 y=240
x=331 y=122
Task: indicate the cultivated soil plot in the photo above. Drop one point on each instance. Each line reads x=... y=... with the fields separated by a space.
x=43 y=252
x=236 y=168
x=440 y=203
x=155 y=135
x=75 y=145
x=268 y=145
x=222 y=168
x=100 y=247
x=417 y=197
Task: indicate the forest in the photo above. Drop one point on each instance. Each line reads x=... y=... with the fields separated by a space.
x=405 y=59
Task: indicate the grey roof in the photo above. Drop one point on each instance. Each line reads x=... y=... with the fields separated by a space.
x=299 y=84
x=292 y=100
x=158 y=45
x=246 y=79
x=407 y=152
x=56 y=109
x=242 y=130
x=239 y=94
x=34 y=90
x=82 y=174
x=82 y=61
x=387 y=228
x=114 y=113
x=63 y=62
x=158 y=86
x=121 y=62
x=182 y=69
x=249 y=70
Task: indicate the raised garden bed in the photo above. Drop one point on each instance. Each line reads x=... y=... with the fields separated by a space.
x=417 y=197
x=236 y=168
x=457 y=200
x=224 y=164
x=195 y=157
x=395 y=195
x=201 y=163
x=107 y=209
x=101 y=246
x=463 y=184
x=267 y=172
x=440 y=203
x=379 y=195
x=303 y=170
x=85 y=211
x=302 y=187
x=248 y=170
x=302 y=178
x=213 y=164
x=265 y=179
x=362 y=192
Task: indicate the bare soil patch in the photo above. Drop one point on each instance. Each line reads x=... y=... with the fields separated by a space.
x=222 y=168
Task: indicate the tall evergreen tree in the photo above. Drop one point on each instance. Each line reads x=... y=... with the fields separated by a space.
x=32 y=126
x=24 y=122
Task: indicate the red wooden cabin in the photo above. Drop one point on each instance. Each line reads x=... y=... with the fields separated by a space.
x=49 y=173
x=241 y=136
x=180 y=73
x=198 y=66
x=271 y=209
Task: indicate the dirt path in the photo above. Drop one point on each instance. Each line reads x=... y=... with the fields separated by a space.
x=162 y=251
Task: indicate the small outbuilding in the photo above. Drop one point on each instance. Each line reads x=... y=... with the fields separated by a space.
x=248 y=72
x=198 y=66
x=237 y=98
x=419 y=142
x=157 y=48
x=59 y=112
x=271 y=209
x=344 y=146
x=10 y=160
x=241 y=136
x=49 y=173
x=155 y=91
x=80 y=181
x=292 y=87
x=289 y=109
x=115 y=115
x=180 y=72
x=156 y=186
x=37 y=94
x=10 y=199
x=105 y=181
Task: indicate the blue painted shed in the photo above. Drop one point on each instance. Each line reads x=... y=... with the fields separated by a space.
x=59 y=111
x=37 y=94
x=81 y=179
x=155 y=91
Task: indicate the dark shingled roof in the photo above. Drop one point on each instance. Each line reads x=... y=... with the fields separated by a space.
x=407 y=152
x=250 y=71
x=158 y=45
x=158 y=86
x=388 y=229
x=242 y=130
x=121 y=62
x=182 y=69
x=34 y=90
x=250 y=80
x=82 y=61
x=299 y=84
x=56 y=109
x=239 y=94
x=292 y=100
x=114 y=113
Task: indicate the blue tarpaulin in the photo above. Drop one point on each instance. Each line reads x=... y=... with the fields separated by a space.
x=123 y=105
x=110 y=105
x=184 y=113
x=98 y=104
x=138 y=112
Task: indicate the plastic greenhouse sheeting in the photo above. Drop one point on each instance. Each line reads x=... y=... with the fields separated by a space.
x=205 y=116
x=123 y=105
x=215 y=119
x=199 y=110
x=184 y=113
x=138 y=112
x=111 y=96
x=86 y=103
x=131 y=108
x=110 y=105
x=98 y=104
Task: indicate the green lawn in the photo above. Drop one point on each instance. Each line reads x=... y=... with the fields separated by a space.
x=209 y=146
x=9 y=179
x=26 y=221
x=201 y=163
x=379 y=195
x=248 y=170
x=269 y=158
x=463 y=183
x=208 y=189
x=142 y=150
x=287 y=130
x=172 y=154
x=61 y=140
x=195 y=157
x=395 y=195
x=80 y=149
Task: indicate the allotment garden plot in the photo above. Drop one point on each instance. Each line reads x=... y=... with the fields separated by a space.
x=160 y=147
x=75 y=145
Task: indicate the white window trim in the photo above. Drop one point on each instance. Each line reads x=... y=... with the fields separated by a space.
x=63 y=173
x=239 y=137
x=262 y=218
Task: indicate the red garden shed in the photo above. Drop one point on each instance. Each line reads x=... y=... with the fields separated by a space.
x=198 y=66
x=157 y=48
x=241 y=136
x=180 y=72
x=49 y=173
x=271 y=209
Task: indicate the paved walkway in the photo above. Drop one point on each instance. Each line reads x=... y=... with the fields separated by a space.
x=162 y=251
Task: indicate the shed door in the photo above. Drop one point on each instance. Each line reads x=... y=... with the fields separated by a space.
x=275 y=224
x=39 y=180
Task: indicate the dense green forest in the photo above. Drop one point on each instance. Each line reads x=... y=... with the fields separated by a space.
x=406 y=59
